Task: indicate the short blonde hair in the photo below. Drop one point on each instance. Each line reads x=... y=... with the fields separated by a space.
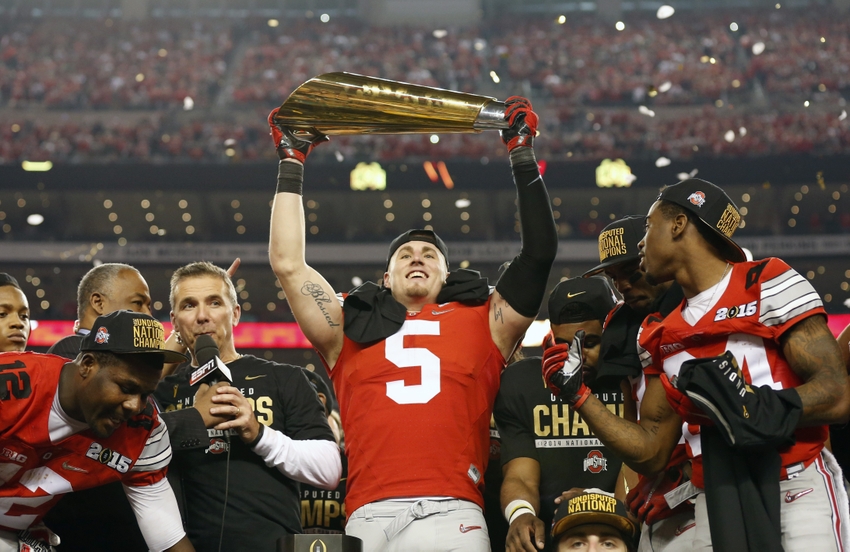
x=198 y=269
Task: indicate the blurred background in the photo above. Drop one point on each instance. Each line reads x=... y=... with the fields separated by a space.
x=135 y=131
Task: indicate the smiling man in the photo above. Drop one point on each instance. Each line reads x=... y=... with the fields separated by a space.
x=77 y=425
x=268 y=433
x=14 y=315
x=416 y=360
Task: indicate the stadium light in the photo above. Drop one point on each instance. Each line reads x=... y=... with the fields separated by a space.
x=37 y=166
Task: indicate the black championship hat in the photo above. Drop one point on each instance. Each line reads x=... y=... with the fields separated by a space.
x=126 y=332
x=713 y=207
x=618 y=242
x=8 y=280
x=428 y=236
x=580 y=300
x=593 y=506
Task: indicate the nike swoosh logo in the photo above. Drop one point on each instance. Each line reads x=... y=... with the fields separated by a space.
x=680 y=530
x=69 y=467
x=468 y=528
x=789 y=498
x=571 y=295
x=436 y=313
x=249 y=378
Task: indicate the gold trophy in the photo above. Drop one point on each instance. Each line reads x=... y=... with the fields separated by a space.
x=345 y=103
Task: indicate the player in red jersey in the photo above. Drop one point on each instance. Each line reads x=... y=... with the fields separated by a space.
x=772 y=322
x=69 y=426
x=416 y=361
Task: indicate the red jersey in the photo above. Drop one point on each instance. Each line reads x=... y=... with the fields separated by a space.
x=416 y=406
x=762 y=300
x=45 y=454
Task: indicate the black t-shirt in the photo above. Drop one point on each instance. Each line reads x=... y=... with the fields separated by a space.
x=262 y=503
x=533 y=423
x=497 y=525
x=323 y=511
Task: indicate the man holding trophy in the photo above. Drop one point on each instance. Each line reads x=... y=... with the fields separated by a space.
x=416 y=359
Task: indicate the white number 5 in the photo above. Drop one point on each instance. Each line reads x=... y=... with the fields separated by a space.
x=411 y=358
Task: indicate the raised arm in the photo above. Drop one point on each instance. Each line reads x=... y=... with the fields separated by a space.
x=520 y=290
x=311 y=298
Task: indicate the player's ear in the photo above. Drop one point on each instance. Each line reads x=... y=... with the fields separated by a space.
x=679 y=224
x=387 y=280
x=97 y=302
x=87 y=365
x=237 y=314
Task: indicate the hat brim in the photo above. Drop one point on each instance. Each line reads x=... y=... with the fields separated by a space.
x=610 y=262
x=732 y=252
x=622 y=524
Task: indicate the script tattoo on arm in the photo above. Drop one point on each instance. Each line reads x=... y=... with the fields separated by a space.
x=321 y=297
x=497 y=313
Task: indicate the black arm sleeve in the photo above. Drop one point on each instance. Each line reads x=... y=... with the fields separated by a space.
x=523 y=283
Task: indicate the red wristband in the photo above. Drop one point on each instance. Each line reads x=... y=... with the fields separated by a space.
x=583 y=394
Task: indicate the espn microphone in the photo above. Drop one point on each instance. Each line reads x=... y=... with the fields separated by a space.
x=211 y=369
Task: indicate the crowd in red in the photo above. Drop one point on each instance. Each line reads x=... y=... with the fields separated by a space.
x=611 y=134
x=707 y=83
x=73 y=64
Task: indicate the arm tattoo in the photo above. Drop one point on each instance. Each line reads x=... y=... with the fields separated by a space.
x=497 y=314
x=321 y=297
x=812 y=353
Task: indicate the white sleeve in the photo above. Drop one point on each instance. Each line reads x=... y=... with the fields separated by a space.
x=157 y=452
x=310 y=461
x=157 y=514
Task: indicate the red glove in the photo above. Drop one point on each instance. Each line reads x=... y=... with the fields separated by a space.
x=293 y=144
x=562 y=371
x=523 y=123
x=683 y=405
x=647 y=502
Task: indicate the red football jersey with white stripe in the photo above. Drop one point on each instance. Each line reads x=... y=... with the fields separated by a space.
x=762 y=301
x=40 y=460
x=416 y=406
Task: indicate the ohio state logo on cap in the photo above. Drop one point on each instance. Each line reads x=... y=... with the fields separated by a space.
x=102 y=336
x=595 y=462
x=697 y=198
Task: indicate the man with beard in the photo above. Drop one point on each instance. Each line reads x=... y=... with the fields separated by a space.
x=545 y=447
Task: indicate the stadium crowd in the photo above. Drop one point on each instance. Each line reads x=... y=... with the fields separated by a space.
x=689 y=59
x=588 y=79
x=573 y=135
x=292 y=465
